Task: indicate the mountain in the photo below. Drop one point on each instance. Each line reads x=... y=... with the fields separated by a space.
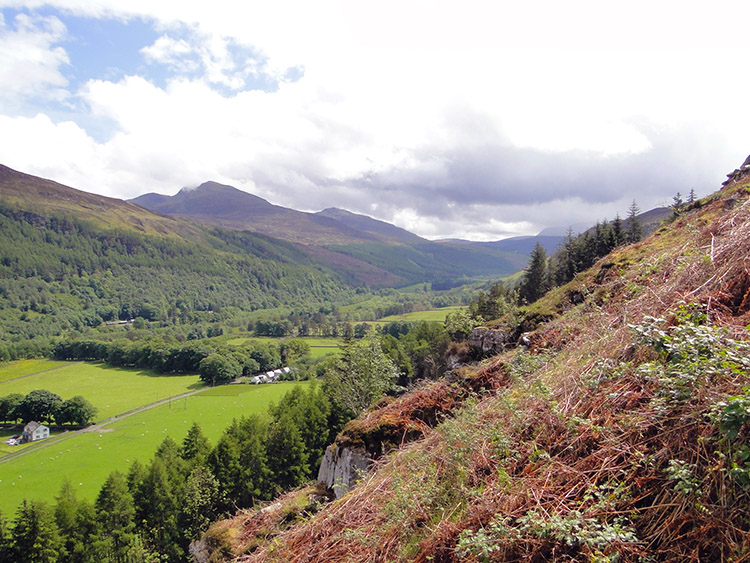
x=70 y=261
x=517 y=245
x=615 y=429
x=366 y=224
x=364 y=250
x=218 y=204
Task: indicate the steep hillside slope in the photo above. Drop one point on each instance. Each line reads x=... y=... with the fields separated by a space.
x=618 y=433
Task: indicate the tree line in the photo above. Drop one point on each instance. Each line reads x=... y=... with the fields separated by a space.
x=215 y=363
x=43 y=405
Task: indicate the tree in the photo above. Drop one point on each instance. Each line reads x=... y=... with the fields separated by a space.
x=362 y=374
x=10 y=407
x=156 y=511
x=76 y=410
x=677 y=204
x=287 y=455
x=39 y=404
x=115 y=513
x=195 y=446
x=36 y=538
x=535 y=281
x=459 y=324
x=309 y=409
x=5 y=540
x=76 y=520
x=294 y=350
x=217 y=369
x=199 y=505
x=635 y=229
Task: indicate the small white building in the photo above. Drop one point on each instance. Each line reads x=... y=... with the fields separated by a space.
x=34 y=431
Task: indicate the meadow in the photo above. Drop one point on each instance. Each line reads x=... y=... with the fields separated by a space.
x=86 y=458
x=23 y=368
x=111 y=390
x=433 y=315
x=319 y=346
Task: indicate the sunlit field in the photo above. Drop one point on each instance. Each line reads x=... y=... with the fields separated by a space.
x=87 y=458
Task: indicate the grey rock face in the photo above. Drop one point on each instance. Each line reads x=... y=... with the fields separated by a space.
x=341 y=468
x=490 y=339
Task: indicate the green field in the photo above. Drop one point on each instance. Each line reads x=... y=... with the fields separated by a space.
x=319 y=346
x=111 y=390
x=434 y=315
x=21 y=368
x=322 y=347
x=87 y=458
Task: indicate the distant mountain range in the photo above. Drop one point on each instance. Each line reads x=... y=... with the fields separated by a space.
x=363 y=248
x=359 y=249
x=366 y=249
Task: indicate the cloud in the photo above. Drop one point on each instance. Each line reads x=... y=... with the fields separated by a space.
x=31 y=59
x=485 y=121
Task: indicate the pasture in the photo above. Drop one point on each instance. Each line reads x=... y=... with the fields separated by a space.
x=433 y=315
x=86 y=458
x=22 y=368
x=111 y=390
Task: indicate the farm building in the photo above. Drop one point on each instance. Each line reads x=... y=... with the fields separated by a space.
x=34 y=431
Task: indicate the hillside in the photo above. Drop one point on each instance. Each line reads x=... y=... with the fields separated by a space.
x=226 y=206
x=617 y=433
x=72 y=261
x=363 y=249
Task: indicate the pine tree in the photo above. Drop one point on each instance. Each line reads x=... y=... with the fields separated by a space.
x=635 y=229
x=156 y=511
x=36 y=538
x=5 y=543
x=618 y=233
x=535 y=281
x=195 y=446
x=287 y=456
x=115 y=513
x=199 y=506
x=677 y=204
x=76 y=520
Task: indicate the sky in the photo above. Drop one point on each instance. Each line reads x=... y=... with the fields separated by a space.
x=474 y=119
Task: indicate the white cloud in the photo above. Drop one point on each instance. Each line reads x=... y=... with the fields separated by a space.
x=30 y=59
x=447 y=118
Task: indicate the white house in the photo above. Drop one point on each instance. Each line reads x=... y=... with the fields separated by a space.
x=34 y=431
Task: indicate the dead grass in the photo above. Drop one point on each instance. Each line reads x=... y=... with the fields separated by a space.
x=575 y=460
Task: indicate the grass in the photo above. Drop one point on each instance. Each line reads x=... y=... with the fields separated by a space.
x=434 y=315
x=87 y=458
x=320 y=347
x=22 y=368
x=111 y=390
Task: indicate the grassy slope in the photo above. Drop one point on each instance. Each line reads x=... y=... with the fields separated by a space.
x=87 y=458
x=573 y=452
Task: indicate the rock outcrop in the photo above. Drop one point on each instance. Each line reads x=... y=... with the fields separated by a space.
x=341 y=468
x=492 y=340
x=738 y=174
